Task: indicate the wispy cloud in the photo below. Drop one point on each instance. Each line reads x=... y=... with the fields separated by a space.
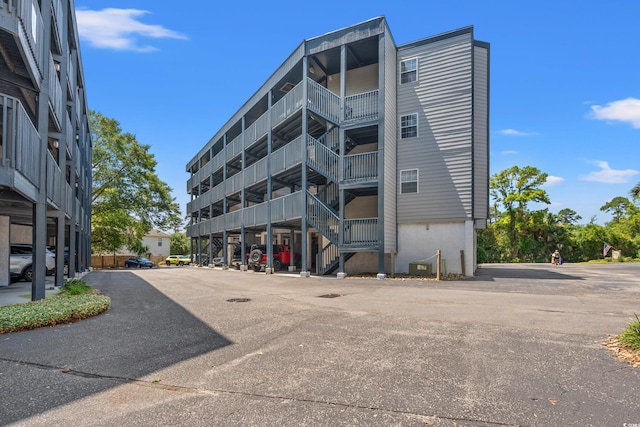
x=607 y=175
x=624 y=110
x=513 y=132
x=509 y=152
x=553 y=180
x=120 y=29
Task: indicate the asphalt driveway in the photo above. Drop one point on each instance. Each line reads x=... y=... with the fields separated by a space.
x=515 y=345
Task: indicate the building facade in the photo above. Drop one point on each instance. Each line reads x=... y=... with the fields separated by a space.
x=360 y=154
x=45 y=141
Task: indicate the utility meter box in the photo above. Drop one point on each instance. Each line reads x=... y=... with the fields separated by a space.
x=420 y=269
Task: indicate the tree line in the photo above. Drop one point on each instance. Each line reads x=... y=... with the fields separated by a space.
x=516 y=233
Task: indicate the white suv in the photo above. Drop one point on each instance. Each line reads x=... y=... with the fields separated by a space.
x=20 y=264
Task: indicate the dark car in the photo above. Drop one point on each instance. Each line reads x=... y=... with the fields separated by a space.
x=138 y=262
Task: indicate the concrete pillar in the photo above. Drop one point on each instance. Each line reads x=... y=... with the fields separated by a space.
x=5 y=250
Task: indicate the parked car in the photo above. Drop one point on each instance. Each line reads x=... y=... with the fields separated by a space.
x=138 y=262
x=177 y=260
x=66 y=257
x=218 y=261
x=20 y=262
x=236 y=258
x=281 y=257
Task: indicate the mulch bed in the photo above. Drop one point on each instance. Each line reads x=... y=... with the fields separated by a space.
x=623 y=353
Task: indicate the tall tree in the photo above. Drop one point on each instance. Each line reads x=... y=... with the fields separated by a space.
x=179 y=244
x=635 y=192
x=128 y=197
x=514 y=189
x=619 y=208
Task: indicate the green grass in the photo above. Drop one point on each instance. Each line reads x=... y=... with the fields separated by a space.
x=75 y=301
x=630 y=337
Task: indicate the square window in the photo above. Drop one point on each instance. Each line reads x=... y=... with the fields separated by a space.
x=409 y=181
x=409 y=71
x=409 y=126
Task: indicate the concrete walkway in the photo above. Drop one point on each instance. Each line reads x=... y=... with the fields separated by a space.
x=516 y=345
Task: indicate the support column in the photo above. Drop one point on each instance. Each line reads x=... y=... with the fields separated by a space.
x=341 y=177
x=381 y=144
x=60 y=226
x=269 y=267
x=303 y=182
x=243 y=196
x=292 y=250
x=39 y=246
x=73 y=247
x=5 y=250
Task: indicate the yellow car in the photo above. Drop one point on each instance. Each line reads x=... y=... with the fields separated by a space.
x=177 y=260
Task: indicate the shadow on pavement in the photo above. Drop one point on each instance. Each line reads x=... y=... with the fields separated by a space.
x=492 y=272
x=143 y=332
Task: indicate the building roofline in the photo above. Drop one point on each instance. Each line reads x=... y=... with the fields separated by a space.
x=438 y=37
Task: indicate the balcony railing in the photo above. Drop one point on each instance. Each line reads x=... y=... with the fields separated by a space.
x=286 y=157
x=361 y=167
x=361 y=232
x=20 y=147
x=363 y=106
x=55 y=91
x=256 y=130
x=31 y=32
x=54 y=181
x=288 y=105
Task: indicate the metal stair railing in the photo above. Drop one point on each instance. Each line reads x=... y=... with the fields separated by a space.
x=322 y=218
x=323 y=102
x=322 y=159
x=327 y=259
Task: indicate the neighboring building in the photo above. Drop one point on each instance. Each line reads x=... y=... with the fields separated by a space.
x=159 y=243
x=45 y=141
x=362 y=155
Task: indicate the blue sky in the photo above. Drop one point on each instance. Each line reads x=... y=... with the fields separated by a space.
x=565 y=91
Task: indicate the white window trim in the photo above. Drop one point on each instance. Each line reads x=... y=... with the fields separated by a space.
x=400 y=73
x=417 y=125
x=417 y=181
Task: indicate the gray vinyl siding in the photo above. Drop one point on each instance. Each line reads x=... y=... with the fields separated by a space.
x=389 y=122
x=442 y=152
x=481 y=133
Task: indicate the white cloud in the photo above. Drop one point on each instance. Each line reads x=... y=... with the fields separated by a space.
x=553 y=180
x=624 y=110
x=509 y=152
x=120 y=29
x=513 y=132
x=607 y=175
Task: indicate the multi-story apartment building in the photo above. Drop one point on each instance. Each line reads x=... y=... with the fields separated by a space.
x=361 y=155
x=45 y=141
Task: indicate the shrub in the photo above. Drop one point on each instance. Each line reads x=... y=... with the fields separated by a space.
x=630 y=337
x=76 y=301
x=75 y=287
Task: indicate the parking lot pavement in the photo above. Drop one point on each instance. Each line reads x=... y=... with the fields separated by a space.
x=20 y=292
x=516 y=345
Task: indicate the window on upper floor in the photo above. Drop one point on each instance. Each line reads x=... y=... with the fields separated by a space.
x=159 y=241
x=409 y=126
x=409 y=181
x=409 y=70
